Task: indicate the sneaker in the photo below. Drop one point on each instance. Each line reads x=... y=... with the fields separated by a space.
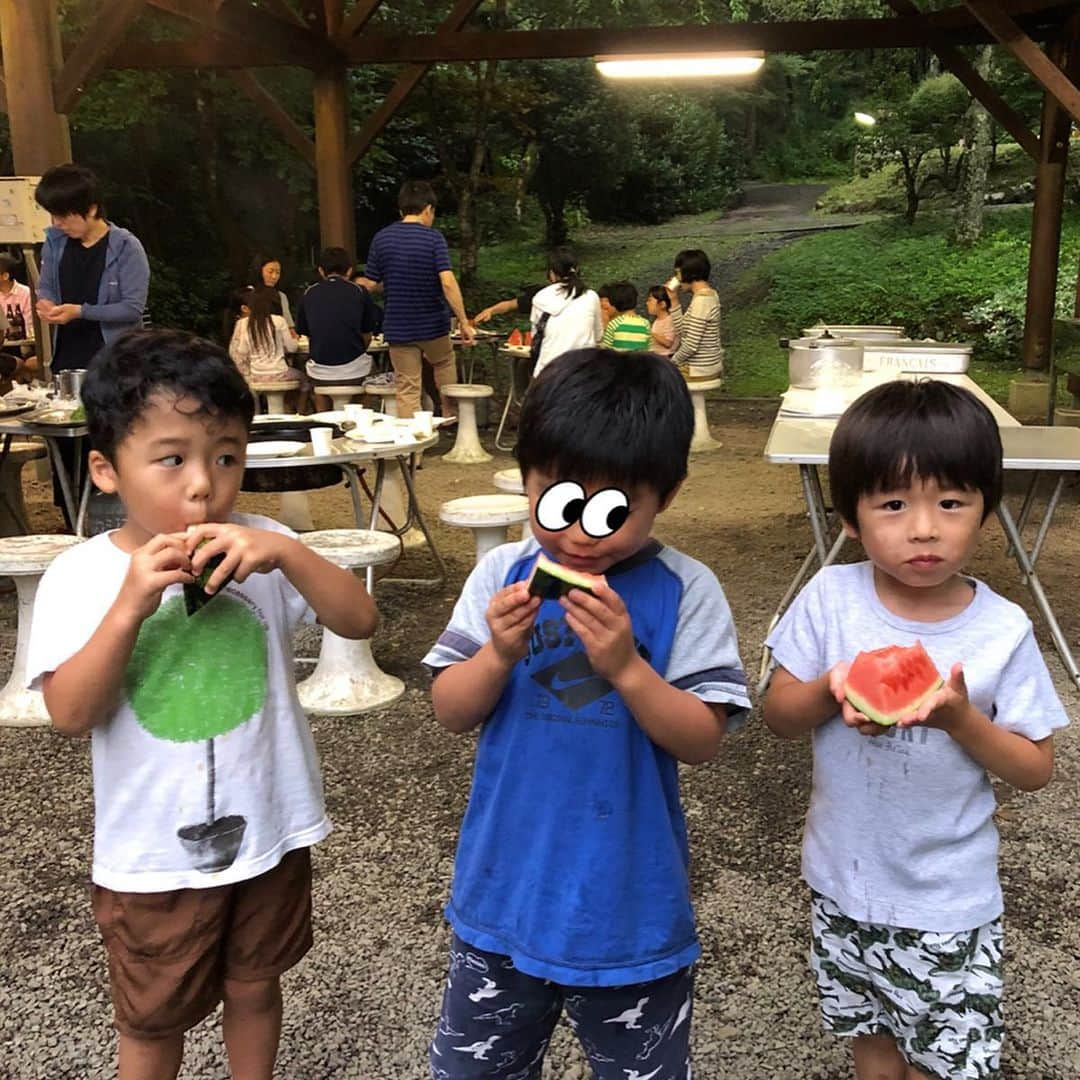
x=384 y=378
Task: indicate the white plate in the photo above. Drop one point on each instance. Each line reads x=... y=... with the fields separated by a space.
x=276 y=418
x=283 y=448
x=334 y=417
x=380 y=433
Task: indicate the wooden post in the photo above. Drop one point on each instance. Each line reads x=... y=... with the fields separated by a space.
x=30 y=34
x=337 y=224
x=1046 y=222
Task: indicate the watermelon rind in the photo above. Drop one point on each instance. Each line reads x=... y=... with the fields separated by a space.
x=549 y=580
x=893 y=718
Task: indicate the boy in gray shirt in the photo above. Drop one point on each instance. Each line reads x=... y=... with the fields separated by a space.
x=900 y=847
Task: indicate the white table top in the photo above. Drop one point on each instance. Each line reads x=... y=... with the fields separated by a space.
x=346 y=452
x=798 y=440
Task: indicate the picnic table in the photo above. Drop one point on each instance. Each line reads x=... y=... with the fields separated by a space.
x=803 y=440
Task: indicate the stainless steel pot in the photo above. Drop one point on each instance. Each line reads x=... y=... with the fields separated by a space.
x=823 y=361
x=855 y=332
x=69 y=383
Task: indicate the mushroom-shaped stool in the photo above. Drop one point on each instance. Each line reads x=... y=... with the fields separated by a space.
x=467 y=449
x=489 y=516
x=387 y=395
x=274 y=391
x=346 y=679
x=340 y=395
x=509 y=480
x=702 y=440
x=26 y=558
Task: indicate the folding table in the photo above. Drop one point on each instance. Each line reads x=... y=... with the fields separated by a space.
x=804 y=441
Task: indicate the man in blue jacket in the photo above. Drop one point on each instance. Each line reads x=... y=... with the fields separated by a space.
x=94 y=275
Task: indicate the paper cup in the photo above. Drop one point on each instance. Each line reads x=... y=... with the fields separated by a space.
x=422 y=423
x=322 y=441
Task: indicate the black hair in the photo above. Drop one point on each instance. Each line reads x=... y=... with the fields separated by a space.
x=334 y=260
x=415 y=196
x=606 y=292
x=692 y=264
x=261 y=301
x=562 y=264
x=69 y=189
x=905 y=429
x=260 y=260
x=661 y=296
x=8 y=264
x=623 y=296
x=130 y=370
x=597 y=415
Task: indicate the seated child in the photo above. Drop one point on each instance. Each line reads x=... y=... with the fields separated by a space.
x=261 y=339
x=207 y=790
x=900 y=847
x=571 y=885
x=663 y=337
x=626 y=330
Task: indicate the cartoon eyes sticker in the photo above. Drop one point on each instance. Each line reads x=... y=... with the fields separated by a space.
x=565 y=502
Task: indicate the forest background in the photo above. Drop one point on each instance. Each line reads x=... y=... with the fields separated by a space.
x=527 y=154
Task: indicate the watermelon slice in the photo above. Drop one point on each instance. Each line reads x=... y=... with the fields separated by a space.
x=515 y=337
x=549 y=580
x=528 y=337
x=195 y=595
x=888 y=684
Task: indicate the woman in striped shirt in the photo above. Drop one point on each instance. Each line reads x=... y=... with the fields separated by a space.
x=700 y=355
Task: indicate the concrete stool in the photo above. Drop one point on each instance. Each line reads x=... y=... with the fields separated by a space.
x=340 y=395
x=26 y=558
x=274 y=392
x=702 y=440
x=387 y=395
x=467 y=449
x=509 y=480
x=488 y=516
x=13 y=519
x=346 y=680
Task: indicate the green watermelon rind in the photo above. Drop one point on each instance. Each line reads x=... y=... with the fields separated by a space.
x=893 y=718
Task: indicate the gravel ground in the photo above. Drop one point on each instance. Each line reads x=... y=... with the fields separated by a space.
x=363 y=1003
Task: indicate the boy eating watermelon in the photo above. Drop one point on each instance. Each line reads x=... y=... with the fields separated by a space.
x=570 y=885
x=900 y=847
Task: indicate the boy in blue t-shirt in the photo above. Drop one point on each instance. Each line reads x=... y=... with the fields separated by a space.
x=571 y=886
x=900 y=847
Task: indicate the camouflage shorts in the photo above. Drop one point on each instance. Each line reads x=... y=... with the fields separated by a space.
x=938 y=995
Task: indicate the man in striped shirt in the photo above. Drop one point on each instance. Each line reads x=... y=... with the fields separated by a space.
x=410 y=261
x=626 y=330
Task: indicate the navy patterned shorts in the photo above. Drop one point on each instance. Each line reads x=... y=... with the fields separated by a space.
x=496 y=1022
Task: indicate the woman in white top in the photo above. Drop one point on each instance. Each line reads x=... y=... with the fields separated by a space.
x=266 y=270
x=261 y=340
x=566 y=313
x=700 y=355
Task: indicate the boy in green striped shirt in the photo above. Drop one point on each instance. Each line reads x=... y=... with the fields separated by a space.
x=626 y=330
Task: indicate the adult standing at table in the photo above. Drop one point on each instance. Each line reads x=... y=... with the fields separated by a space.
x=94 y=274
x=410 y=262
x=266 y=271
x=700 y=355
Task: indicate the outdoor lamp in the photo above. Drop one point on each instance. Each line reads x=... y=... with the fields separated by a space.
x=680 y=65
x=865 y=119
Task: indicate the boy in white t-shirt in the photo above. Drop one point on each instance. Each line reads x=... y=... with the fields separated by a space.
x=207 y=789
x=900 y=848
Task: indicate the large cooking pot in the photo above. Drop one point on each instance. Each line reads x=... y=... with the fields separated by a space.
x=855 y=332
x=296 y=477
x=814 y=362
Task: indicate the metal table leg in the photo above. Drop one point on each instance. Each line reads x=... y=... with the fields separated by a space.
x=1027 y=566
x=63 y=478
x=816 y=509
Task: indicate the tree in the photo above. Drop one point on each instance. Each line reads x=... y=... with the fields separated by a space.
x=978 y=140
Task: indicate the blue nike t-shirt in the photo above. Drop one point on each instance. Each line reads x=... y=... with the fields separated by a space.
x=573 y=856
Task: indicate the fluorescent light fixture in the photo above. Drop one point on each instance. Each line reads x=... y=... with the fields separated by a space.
x=680 y=65
x=865 y=119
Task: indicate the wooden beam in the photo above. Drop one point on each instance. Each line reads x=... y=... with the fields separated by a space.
x=272 y=109
x=253 y=25
x=1005 y=30
x=91 y=54
x=355 y=21
x=3 y=94
x=953 y=60
x=333 y=15
x=797 y=37
x=337 y=218
x=205 y=51
x=406 y=82
x=284 y=11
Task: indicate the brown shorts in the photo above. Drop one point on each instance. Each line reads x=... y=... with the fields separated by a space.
x=171 y=952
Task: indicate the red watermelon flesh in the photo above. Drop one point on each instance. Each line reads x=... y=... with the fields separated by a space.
x=515 y=338
x=528 y=337
x=888 y=684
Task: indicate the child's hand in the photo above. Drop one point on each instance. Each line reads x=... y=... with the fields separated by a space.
x=510 y=617
x=848 y=713
x=602 y=623
x=945 y=707
x=159 y=563
x=247 y=551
